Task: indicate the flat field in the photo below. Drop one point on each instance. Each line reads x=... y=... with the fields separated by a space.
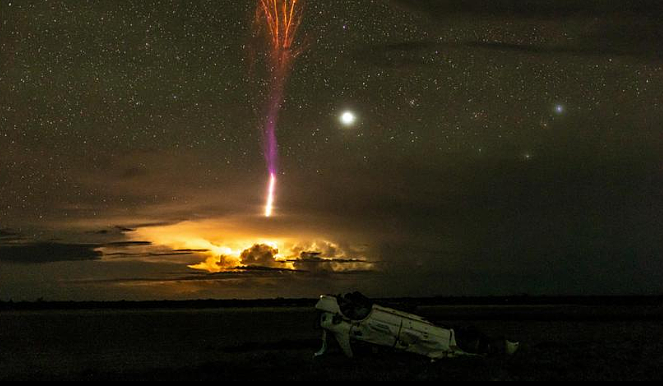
x=558 y=342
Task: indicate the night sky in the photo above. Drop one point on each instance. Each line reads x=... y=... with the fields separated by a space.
x=497 y=148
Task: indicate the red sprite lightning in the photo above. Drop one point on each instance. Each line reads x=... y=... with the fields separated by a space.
x=280 y=20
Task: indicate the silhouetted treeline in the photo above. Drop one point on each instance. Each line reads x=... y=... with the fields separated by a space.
x=400 y=303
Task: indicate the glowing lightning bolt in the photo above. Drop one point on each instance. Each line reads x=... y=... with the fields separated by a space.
x=270 y=195
x=280 y=19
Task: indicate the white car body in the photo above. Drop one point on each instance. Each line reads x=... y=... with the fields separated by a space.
x=386 y=327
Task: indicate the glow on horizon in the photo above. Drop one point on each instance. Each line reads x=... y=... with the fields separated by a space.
x=217 y=245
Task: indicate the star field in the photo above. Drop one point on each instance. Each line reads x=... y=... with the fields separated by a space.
x=499 y=137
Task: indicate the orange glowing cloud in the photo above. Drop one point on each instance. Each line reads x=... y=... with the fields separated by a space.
x=226 y=246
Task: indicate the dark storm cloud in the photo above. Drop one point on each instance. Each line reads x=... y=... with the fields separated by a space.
x=616 y=38
x=124 y=229
x=154 y=224
x=100 y=232
x=117 y=230
x=315 y=263
x=628 y=42
x=17 y=249
x=9 y=235
x=48 y=252
x=133 y=227
x=530 y=9
x=592 y=29
x=125 y=249
x=126 y=243
x=260 y=268
x=316 y=258
x=320 y=260
x=148 y=254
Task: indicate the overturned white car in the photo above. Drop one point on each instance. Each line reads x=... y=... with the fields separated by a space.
x=354 y=317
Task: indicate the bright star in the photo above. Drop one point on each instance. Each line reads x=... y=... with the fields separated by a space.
x=348 y=118
x=559 y=109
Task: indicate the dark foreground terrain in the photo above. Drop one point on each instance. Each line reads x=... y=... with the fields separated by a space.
x=558 y=342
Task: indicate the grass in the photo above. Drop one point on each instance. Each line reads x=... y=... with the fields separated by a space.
x=278 y=343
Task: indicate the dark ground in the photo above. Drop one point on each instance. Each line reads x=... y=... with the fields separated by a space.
x=558 y=342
